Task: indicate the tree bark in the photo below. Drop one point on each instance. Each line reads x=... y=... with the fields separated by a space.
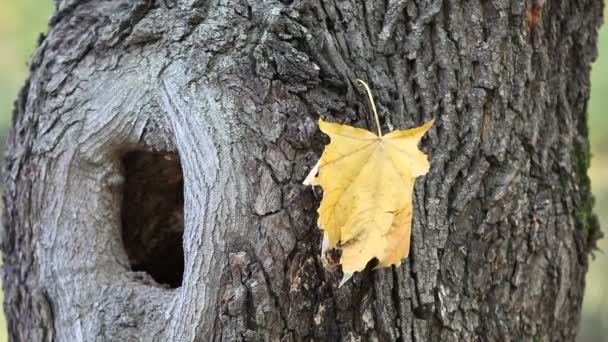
x=144 y=125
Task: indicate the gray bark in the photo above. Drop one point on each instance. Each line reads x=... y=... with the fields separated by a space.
x=144 y=122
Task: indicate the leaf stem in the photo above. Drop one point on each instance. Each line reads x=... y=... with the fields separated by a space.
x=371 y=100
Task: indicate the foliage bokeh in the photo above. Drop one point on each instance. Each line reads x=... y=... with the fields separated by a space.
x=22 y=21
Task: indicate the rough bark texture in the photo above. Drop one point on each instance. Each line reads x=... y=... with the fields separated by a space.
x=119 y=90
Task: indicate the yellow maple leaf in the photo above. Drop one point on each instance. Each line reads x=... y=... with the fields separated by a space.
x=368 y=184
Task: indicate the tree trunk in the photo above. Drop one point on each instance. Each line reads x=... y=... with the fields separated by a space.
x=153 y=173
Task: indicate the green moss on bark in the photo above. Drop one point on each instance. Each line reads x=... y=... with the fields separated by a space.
x=586 y=219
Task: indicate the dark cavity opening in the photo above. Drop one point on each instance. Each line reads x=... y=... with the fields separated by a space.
x=153 y=215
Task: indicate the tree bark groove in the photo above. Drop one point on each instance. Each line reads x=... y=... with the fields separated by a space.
x=503 y=222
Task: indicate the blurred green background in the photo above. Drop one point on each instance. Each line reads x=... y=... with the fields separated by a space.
x=22 y=21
